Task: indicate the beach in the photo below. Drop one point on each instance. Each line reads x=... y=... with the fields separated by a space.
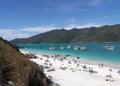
x=71 y=72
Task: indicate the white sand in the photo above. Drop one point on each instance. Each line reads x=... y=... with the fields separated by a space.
x=76 y=76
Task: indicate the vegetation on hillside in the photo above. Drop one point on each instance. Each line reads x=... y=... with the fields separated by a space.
x=14 y=67
x=107 y=33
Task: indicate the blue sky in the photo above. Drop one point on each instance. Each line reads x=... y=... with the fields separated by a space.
x=24 y=18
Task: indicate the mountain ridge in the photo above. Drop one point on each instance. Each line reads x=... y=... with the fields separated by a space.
x=106 y=33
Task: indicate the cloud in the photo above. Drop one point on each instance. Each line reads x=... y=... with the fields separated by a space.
x=82 y=26
x=65 y=8
x=10 y=34
x=39 y=29
x=72 y=9
x=95 y=2
x=42 y=29
x=79 y=5
x=72 y=20
x=70 y=6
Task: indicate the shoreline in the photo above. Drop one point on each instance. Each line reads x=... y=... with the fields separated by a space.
x=84 y=61
x=91 y=62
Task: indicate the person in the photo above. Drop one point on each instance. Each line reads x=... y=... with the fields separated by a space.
x=110 y=70
x=84 y=67
x=69 y=62
x=50 y=64
x=100 y=65
x=75 y=61
x=78 y=65
x=91 y=71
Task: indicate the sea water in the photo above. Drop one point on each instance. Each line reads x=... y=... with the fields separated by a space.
x=94 y=52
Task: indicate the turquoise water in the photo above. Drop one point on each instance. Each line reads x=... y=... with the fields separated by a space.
x=95 y=51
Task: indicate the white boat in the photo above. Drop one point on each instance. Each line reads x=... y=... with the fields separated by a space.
x=76 y=47
x=52 y=48
x=69 y=47
x=83 y=48
x=62 y=48
x=110 y=47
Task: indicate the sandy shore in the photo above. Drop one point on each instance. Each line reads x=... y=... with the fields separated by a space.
x=69 y=72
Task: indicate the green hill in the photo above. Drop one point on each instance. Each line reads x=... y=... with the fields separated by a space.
x=14 y=67
x=107 y=33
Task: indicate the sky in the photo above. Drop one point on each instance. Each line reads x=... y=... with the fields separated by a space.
x=25 y=18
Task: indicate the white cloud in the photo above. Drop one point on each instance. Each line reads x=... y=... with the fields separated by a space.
x=10 y=34
x=42 y=29
x=72 y=20
x=82 y=26
x=65 y=8
x=96 y=2
x=76 y=6
x=38 y=29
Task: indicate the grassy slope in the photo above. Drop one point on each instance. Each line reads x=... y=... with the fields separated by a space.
x=15 y=67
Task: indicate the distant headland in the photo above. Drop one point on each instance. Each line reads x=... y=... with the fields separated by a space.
x=106 y=33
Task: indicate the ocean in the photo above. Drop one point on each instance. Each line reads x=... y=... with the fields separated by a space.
x=95 y=51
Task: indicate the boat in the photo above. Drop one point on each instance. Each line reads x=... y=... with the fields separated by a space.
x=69 y=47
x=52 y=48
x=76 y=47
x=62 y=48
x=109 y=47
x=83 y=48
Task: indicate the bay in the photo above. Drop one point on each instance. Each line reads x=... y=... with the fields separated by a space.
x=95 y=51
